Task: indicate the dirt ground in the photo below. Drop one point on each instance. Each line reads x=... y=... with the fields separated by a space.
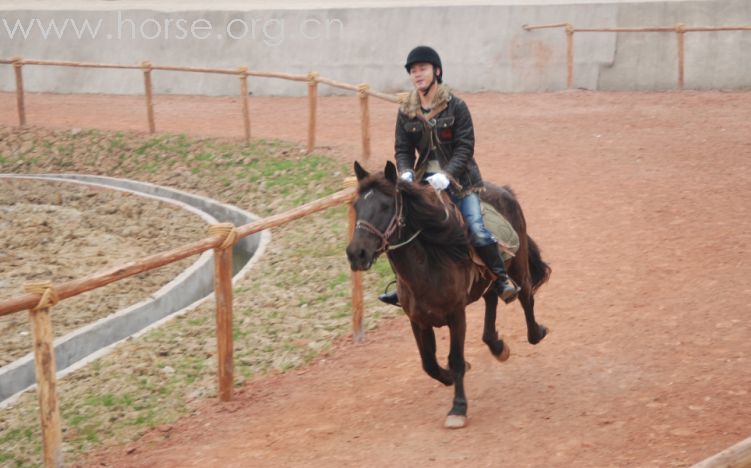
x=640 y=204
x=59 y=232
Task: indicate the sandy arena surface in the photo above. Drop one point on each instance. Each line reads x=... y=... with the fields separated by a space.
x=640 y=202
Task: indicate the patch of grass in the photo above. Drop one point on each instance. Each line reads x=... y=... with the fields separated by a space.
x=341 y=278
x=64 y=149
x=197 y=321
x=117 y=141
x=147 y=419
x=15 y=435
x=148 y=144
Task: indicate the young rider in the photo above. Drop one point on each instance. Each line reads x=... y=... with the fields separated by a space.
x=438 y=125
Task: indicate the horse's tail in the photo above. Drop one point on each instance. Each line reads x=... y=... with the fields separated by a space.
x=539 y=271
x=528 y=269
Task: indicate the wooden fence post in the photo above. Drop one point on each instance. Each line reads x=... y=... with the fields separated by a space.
x=681 y=35
x=17 y=68
x=569 y=56
x=358 y=332
x=312 y=102
x=44 y=361
x=244 y=98
x=362 y=92
x=223 y=298
x=146 y=66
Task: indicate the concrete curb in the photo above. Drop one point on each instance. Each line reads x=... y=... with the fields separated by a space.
x=183 y=293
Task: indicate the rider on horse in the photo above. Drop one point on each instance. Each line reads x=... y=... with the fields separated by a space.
x=438 y=125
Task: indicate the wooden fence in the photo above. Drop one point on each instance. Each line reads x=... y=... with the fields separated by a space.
x=312 y=79
x=41 y=298
x=679 y=29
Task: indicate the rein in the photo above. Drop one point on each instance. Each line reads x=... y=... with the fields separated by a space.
x=396 y=222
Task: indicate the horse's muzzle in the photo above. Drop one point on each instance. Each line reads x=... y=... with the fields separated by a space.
x=359 y=259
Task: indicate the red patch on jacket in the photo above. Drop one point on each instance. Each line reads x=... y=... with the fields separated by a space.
x=446 y=133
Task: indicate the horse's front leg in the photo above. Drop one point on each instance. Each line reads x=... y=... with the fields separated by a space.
x=490 y=337
x=457 y=417
x=425 y=338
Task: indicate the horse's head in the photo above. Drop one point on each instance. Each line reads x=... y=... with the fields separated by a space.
x=375 y=209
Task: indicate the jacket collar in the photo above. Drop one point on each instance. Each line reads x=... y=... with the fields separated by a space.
x=411 y=107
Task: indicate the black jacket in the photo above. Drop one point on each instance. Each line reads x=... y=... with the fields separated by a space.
x=448 y=134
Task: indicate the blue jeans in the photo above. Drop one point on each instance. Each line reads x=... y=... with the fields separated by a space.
x=471 y=210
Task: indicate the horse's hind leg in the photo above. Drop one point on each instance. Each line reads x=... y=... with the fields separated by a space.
x=425 y=338
x=498 y=348
x=535 y=331
x=457 y=417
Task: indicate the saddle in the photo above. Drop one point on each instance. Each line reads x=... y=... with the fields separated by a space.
x=500 y=227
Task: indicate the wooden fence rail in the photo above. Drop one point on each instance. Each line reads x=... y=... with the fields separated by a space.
x=40 y=300
x=312 y=79
x=679 y=29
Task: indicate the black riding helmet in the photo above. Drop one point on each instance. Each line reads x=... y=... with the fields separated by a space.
x=428 y=55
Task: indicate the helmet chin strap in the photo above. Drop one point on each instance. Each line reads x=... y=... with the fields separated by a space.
x=430 y=86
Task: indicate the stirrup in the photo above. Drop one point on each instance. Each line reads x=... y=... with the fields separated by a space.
x=389 y=298
x=508 y=295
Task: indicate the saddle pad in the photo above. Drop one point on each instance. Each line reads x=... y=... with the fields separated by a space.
x=508 y=239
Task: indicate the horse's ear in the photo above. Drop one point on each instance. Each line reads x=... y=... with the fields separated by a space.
x=360 y=172
x=390 y=172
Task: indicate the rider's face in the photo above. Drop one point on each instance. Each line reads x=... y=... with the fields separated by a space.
x=421 y=75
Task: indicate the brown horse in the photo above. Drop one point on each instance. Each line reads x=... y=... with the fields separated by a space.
x=427 y=246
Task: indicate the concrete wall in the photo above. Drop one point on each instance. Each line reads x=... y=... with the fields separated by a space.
x=483 y=47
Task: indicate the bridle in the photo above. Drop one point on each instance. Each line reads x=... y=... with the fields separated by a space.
x=396 y=222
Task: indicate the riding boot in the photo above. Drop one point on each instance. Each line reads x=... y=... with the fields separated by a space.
x=503 y=286
x=390 y=298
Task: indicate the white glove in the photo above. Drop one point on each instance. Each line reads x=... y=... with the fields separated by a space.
x=409 y=176
x=438 y=181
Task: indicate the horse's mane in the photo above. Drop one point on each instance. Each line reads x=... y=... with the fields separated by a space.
x=444 y=239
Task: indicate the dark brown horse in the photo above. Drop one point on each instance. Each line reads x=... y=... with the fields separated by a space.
x=427 y=246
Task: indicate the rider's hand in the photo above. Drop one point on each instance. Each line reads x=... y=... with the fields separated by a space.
x=438 y=181
x=408 y=176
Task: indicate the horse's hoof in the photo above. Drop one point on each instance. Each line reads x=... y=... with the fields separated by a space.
x=455 y=421
x=505 y=354
x=542 y=331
